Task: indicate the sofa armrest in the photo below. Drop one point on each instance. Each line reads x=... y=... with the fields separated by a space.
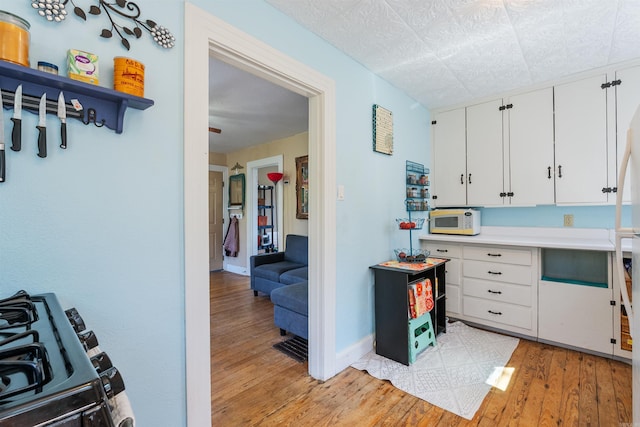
x=257 y=260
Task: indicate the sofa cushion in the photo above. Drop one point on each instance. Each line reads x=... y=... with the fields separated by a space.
x=294 y=297
x=275 y=270
x=296 y=275
x=297 y=249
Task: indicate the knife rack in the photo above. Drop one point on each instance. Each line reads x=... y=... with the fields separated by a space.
x=32 y=103
x=103 y=106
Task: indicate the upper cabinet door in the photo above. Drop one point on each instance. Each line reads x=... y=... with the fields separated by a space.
x=581 y=141
x=449 y=171
x=529 y=176
x=627 y=102
x=485 y=154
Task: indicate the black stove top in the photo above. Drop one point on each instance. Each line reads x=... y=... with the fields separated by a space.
x=45 y=374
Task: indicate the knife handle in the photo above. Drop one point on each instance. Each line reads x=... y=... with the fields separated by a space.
x=3 y=164
x=63 y=135
x=16 y=134
x=42 y=141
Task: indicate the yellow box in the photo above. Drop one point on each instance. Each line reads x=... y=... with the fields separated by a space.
x=83 y=66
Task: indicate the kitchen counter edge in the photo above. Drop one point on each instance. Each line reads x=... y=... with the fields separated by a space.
x=596 y=239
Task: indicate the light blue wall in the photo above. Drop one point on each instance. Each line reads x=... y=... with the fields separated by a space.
x=374 y=183
x=553 y=216
x=101 y=224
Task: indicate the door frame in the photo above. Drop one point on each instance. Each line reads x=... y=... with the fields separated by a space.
x=225 y=200
x=207 y=35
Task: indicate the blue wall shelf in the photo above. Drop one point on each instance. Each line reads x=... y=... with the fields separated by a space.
x=101 y=106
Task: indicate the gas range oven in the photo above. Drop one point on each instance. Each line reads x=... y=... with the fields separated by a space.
x=52 y=372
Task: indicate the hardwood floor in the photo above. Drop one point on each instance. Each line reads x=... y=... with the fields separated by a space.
x=255 y=385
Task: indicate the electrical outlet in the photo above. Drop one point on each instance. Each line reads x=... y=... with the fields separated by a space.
x=568 y=220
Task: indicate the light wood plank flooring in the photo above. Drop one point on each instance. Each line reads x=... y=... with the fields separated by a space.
x=255 y=385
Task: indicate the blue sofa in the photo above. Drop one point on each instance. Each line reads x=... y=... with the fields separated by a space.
x=291 y=309
x=274 y=270
x=283 y=276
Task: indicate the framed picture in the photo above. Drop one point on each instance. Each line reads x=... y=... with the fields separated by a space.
x=236 y=190
x=302 y=187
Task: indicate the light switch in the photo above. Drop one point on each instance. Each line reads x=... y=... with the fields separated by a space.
x=340 y=192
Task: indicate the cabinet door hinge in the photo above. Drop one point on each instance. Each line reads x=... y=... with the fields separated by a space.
x=611 y=83
x=433 y=122
x=613 y=341
x=612 y=302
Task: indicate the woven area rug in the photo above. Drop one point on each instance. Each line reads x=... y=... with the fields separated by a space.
x=455 y=374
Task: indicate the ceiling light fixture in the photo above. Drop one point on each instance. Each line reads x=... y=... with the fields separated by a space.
x=236 y=168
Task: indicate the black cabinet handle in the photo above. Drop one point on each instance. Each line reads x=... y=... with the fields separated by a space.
x=469 y=178
x=494 y=292
x=462 y=178
x=549 y=172
x=442 y=250
x=495 y=312
x=559 y=171
x=494 y=272
x=490 y=254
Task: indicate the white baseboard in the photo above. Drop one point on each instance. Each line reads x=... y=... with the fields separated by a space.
x=238 y=269
x=352 y=354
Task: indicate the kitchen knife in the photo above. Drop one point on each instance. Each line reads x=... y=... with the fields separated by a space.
x=3 y=163
x=62 y=115
x=16 y=133
x=42 y=127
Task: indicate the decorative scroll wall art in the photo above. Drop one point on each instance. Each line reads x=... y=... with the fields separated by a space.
x=123 y=15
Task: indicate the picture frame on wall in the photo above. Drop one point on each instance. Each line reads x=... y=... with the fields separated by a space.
x=302 y=187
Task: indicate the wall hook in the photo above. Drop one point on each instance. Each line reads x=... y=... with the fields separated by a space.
x=91 y=118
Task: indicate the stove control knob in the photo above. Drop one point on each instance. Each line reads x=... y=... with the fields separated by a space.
x=75 y=319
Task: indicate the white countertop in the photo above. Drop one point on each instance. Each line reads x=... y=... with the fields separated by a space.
x=597 y=239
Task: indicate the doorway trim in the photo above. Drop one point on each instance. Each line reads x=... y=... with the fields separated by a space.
x=207 y=35
x=252 y=208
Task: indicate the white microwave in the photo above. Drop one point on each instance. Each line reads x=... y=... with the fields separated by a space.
x=455 y=221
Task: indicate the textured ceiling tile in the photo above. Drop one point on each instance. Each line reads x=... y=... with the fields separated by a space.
x=474 y=47
x=626 y=35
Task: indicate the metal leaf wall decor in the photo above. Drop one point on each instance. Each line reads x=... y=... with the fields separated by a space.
x=123 y=15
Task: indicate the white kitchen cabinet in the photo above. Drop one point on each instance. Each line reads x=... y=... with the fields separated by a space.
x=449 y=187
x=453 y=253
x=500 y=287
x=623 y=345
x=581 y=141
x=592 y=118
x=575 y=295
x=576 y=315
x=509 y=152
x=485 y=172
x=529 y=178
x=554 y=285
x=627 y=94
